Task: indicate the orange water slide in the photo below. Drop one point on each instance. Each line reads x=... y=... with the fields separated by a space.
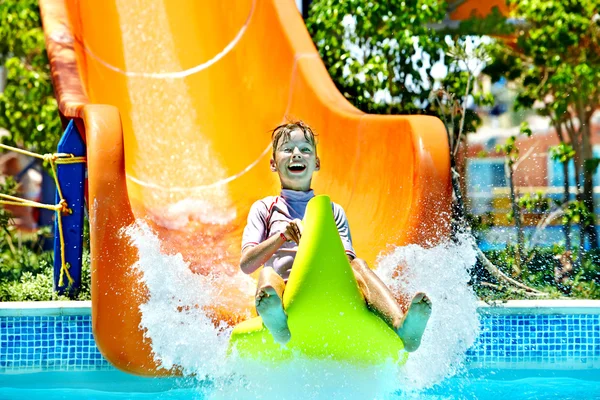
x=176 y=99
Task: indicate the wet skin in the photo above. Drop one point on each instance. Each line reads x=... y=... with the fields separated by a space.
x=295 y=160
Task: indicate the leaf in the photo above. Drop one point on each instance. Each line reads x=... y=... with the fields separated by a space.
x=384 y=46
x=525 y=130
x=591 y=165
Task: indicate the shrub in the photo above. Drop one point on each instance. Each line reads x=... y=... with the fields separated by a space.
x=538 y=272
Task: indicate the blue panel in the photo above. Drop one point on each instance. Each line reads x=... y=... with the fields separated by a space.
x=71 y=178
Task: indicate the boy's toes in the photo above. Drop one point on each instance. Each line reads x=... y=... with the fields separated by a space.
x=427 y=300
x=420 y=298
x=413 y=326
x=270 y=309
x=261 y=295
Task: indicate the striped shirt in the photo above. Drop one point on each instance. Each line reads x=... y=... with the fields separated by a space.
x=270 y=216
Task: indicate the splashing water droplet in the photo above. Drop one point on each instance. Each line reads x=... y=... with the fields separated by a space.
x=442 y=272
x=182 y=334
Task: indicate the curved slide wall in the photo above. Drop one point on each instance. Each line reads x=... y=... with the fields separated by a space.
x=176 y=100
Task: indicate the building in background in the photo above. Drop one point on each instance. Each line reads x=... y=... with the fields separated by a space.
x=486 y=181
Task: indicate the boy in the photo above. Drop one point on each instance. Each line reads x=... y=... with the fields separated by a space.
x=274 y=230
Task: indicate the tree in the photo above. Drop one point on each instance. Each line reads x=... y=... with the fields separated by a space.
x=376 y=52
x=381 y=54
x=512 y=158
x=564 y=153
x=28 y=109
x=555 y=60
x=449 y=103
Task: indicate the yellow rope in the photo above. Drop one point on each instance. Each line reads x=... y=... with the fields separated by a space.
x=58 y=158
x=61 y=208
x=32 y=204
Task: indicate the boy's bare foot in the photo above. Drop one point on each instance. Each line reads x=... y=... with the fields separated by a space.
x=413 y=324
x=270 y=309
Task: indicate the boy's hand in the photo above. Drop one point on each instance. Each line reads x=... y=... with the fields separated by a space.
x=293 y=231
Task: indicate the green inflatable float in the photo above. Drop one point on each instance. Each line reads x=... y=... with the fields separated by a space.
x=327 y=316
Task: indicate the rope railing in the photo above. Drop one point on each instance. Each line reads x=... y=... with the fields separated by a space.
x=62 y=208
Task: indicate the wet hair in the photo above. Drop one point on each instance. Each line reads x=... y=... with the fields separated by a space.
x=283 y=132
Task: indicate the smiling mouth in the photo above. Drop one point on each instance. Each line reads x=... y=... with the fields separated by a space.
x=296 y=168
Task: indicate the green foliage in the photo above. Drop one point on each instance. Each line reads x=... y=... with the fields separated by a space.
x=29 y=287
x=555 y=64
x=591 y=164
x=28 y=109
x=525 y=130
x=7 y=186
x=480 y=224
x=380 y=56
x=586 y=282
x=537 y=271
x=29 y=112
x=581 y=289
x=562 y=152
x=372 y=47
x=536 y=202
x=556 y=53
x=26 y=270
x=39 y=287
x=449 y=102
x=576 y=212
x=20 y=253
x=509 y=149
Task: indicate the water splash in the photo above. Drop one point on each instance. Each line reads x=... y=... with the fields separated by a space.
x=310 y=379
x=183 y=335
x=174 y=317
x=177 y=216
x=442 y=272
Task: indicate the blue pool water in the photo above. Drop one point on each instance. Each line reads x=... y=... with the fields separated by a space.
x=473 y=384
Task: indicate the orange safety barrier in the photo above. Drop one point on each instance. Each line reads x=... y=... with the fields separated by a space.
x=176 y=100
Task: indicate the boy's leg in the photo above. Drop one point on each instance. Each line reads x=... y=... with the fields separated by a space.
x=409 y=326
x=269 y=305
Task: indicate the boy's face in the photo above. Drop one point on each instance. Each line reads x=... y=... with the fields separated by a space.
x=295 y=161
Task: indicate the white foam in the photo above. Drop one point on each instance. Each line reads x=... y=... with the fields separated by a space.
x=183 y=335
x=442 y=272
x=173 y=316
x=309 y=379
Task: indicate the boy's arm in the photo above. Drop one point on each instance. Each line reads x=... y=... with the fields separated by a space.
x=255 y=256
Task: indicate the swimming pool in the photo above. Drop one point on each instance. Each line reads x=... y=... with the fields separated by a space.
x=525 y=350
x=473 y=384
